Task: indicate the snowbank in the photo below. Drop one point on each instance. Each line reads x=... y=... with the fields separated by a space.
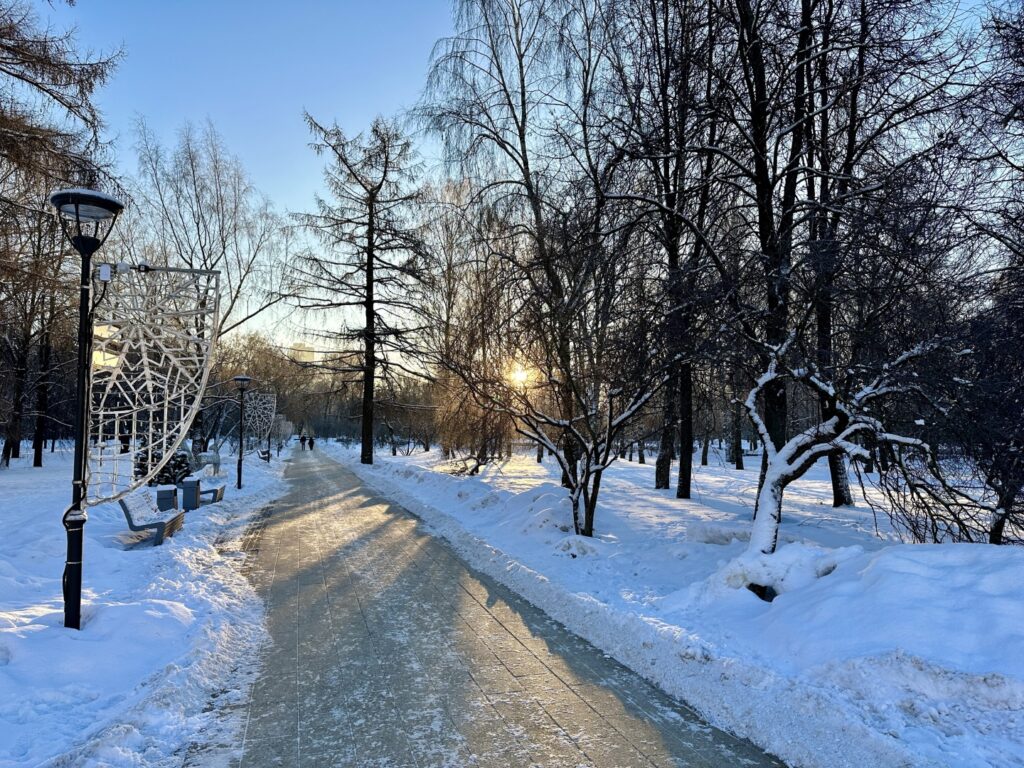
x=162 y=626
x=874 y=653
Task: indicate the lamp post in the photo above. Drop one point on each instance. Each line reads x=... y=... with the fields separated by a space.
x=87 y=217
x=242 y=382
x=269 y=432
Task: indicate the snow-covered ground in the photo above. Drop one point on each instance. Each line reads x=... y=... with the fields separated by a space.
x=162 y=626
x=875 y=653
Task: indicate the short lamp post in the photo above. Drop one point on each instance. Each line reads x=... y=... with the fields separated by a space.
x=243 y=384
x=87 y=217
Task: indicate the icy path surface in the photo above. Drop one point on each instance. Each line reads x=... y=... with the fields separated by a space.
x=388 y=650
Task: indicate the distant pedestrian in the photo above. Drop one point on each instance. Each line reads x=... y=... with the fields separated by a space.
x=311 y=443
x=303 y=441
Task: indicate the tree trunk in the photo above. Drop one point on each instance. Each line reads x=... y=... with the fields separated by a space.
x=369 y=351
x=737 y=435
x=883 y=456
x=663 y=464
x=42 y=397
x=12 y=440
x=996 y=532
x=842 y=496
x=685 y=431
x=570 y=460
x=762 y=474
x=590 y=508
x=764 y=536
x=736 y=427
x=775 y=410
x=641 y=456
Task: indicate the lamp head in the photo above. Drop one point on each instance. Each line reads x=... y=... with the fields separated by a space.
x=86 y=216
x=85 y=205
x=242 y=381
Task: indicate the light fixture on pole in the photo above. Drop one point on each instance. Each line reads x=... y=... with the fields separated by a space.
x=243 y=382
x=87 y=217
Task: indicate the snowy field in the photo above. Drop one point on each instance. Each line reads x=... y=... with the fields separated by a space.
x=875 y=653
x=162 y=626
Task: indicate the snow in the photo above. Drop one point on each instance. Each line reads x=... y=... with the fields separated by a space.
x=161 y=626
x=874 y=653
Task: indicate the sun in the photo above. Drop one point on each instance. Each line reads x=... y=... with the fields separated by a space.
x=519 y=375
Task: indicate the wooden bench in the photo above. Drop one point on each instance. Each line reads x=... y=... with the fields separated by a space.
x=143 y=505
x=216 y=494
x=264 y=454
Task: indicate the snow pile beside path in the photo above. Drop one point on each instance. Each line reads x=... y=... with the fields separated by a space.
x=871 y=655
x=162 y=627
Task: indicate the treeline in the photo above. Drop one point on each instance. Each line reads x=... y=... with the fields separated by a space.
x=794 y=221
x=191 y=205
x=658 y=224
x=49 y=137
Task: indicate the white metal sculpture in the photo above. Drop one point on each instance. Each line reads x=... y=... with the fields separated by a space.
x=154 y=336
x=260 y=409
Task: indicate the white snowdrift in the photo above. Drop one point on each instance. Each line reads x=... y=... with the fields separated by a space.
x=874 y=653
x=162 y=626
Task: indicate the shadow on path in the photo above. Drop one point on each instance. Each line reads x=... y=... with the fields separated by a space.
x=388 y=650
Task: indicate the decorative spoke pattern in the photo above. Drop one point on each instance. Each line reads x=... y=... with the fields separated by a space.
x=152 y=347
x=260 y=409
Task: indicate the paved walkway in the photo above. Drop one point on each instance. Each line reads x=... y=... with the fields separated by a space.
x=388 y=650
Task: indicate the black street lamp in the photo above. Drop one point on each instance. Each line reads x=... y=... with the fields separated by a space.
x=243 y=383
x=87 y=218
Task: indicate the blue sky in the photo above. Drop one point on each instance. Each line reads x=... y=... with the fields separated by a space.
x=252 y=66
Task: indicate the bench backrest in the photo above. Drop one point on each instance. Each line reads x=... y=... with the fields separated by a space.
x=141 y=505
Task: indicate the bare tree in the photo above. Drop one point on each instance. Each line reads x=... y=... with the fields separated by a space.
x=663 y=54
x=198 y=208
x=517 y=96
x=372 y=257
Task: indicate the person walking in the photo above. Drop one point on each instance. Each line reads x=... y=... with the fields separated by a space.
x=311 y=443
x=303 y=441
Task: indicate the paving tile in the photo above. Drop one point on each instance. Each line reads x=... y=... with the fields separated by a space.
x=270 y=753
